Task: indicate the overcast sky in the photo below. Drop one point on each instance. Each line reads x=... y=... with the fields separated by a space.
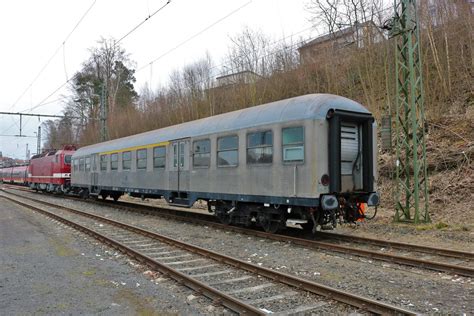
x=33 y=31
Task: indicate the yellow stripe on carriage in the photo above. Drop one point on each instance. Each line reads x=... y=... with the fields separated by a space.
x=134 y=148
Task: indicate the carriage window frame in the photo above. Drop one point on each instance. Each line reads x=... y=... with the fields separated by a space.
x=87 y=164
x=94 y=163
x=227 y=150
x=293 y=145
x=202 y=154
x=127 y=161
x=104 y=160
x=260 y=146
x=75 y=164
x=114 y=163
x=161 y=157
x=142 y=162
x=81 y=164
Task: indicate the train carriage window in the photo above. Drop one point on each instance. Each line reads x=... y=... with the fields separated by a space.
x=81 y=164
x=293 y=144
x=181 y=154
x=228 y=151
x=260 y=147
x=113 y=161
x=103 y=162
x=67 y=159
x=126 y=160
x=202 y=153
x=94 y=163
x=75 y=163
x=88 y=164
x=175 y=155
x=141 y=159
x=159 y=157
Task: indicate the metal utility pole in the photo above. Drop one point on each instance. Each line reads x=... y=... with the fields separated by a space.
x=103 y=113
x=411 y=167
x=38 y=144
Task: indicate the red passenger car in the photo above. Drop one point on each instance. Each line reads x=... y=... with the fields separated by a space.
x=16 y=174
x=51 y=170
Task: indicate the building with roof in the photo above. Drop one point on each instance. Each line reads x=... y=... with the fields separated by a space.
x=241 y=77
x=359 y=35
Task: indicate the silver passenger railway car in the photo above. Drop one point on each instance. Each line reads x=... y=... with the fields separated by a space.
x=311 y=157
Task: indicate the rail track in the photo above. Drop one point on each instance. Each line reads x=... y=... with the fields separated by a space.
x=223 y=279
x=422 y=257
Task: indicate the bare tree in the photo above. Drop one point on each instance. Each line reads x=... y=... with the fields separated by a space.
x=248 y=52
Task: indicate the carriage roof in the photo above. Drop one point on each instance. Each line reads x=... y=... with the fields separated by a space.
x=311 y=106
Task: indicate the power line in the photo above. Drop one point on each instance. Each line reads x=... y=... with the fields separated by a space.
x=271 y=53
x=51 y=58
x=42 y=103
x=195 y=35
x=141 y=23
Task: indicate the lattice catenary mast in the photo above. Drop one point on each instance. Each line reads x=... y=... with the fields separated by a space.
x=411 y=167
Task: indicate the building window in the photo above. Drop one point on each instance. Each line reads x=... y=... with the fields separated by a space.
x=202 y=153
x=113 y=161
x=103 y=162
x=141 y=159
x=228 y=151
x=81 y=164
x=126 y=160
x=260 y=147
x=293 y=144
x=159 y=157
x=88 y=164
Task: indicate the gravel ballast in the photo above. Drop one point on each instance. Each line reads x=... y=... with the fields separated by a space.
x=51 y=269
x=419 y=290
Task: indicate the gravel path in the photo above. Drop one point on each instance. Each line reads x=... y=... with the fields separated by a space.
x=48 y=268
x=419 y=290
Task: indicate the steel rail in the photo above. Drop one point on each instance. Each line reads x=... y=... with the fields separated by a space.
x=400 y=245
x=392 y=258
x=409 y=261
x=310 y=286
x=201 y=288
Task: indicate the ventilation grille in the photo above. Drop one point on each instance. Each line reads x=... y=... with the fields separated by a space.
x=349 y=147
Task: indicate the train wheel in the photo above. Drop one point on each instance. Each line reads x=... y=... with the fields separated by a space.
x=223 y=217
x=104 y=196
x=270 y=222
x=307 y=227
x=84 y=194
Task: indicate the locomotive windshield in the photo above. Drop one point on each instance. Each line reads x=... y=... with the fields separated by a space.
x=67 y=159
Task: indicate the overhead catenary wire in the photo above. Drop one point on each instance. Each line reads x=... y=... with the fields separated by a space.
x=150 y=64
x=42 y=102
x=52 y=56
x=143 y=22
x=195 y=35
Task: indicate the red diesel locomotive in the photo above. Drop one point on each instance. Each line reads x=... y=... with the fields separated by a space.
x=51 y=170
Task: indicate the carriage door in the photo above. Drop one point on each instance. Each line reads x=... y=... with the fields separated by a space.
x=351 y=157
x=179 y=171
